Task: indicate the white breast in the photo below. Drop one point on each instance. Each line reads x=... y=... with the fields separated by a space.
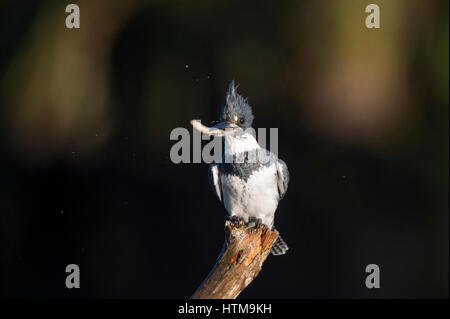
x=239 y=144
x=257 y=197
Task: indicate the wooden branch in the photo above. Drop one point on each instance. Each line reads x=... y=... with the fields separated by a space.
x=240 y=261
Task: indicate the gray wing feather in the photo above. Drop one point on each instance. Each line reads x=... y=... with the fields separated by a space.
x=214 y=180
x=282 y=178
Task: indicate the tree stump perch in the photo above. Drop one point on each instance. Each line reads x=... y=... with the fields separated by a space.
x=240 y=261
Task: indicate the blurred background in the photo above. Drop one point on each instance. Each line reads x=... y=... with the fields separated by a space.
x=85 y=119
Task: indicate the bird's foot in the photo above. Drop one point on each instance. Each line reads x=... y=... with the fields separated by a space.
x=237 y=220
x=254 y=222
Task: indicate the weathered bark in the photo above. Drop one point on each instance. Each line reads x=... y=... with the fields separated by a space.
x=240 y=261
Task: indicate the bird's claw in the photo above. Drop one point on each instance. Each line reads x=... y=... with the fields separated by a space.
x=254 y=222
x=237 y=220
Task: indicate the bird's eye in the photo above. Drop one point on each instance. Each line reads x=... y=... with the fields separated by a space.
x=241 y=120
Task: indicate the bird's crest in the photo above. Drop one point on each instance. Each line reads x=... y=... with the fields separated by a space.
x=236 y=105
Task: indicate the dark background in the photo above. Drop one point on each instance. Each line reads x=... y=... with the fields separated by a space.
x=86 y=115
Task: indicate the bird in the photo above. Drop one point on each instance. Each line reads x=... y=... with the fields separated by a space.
x=249 y=181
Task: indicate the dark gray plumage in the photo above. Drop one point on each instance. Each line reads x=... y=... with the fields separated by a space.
x=283 y=178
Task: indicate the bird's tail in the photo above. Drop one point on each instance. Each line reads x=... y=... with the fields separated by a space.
x=279 y=247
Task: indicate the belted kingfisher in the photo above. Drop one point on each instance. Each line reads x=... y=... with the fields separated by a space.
x=250 y=180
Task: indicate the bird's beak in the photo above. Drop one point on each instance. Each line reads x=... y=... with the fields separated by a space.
x=225 y=125
x=218 y=130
